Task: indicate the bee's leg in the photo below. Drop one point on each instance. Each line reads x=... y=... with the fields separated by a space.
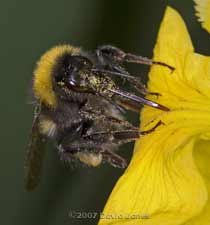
x=91 y=154
x=117 y=136
x=91 y=158
x=144 y=60
x=97 y=140
x=85 y=151
x=109 y=156
x=122 y=136
x=113 y=159
x=126 y=129
x=152 y=129
x=107 y=53
x=92 y=149
x=109 y=119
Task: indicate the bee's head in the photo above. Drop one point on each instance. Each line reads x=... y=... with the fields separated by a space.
x=71 y=73
x=75 y=74
x=43 y=83
x=64 y=70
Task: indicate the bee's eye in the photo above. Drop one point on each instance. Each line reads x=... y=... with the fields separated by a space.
x=65 y=70
x=69 y=68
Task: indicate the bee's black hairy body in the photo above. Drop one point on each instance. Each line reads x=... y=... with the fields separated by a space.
x=80 y=106
x=79 y=124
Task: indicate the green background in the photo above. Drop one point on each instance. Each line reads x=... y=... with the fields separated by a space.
x=29 y=28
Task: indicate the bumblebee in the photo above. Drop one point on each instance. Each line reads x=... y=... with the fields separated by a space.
x=80 y=107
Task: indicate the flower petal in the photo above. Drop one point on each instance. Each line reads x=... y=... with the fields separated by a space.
x=202 y=156
x=203 y=12
x=163 y=180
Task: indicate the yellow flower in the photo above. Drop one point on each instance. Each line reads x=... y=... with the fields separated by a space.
x=168 y=179
x=203 y=12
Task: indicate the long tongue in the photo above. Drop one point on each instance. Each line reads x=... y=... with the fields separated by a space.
x=138 y=99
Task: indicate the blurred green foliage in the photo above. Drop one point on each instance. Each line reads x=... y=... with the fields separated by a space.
x=29 y=28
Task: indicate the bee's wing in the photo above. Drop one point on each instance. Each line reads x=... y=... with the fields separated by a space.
x=35 y=153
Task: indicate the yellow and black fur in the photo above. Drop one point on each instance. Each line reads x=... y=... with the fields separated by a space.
x=79 y=106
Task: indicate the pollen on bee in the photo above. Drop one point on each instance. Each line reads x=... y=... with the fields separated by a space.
x=90 y=159
x=47 y=127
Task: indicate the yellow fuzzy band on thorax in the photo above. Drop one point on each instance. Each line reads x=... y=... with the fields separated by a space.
x=42 y=84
